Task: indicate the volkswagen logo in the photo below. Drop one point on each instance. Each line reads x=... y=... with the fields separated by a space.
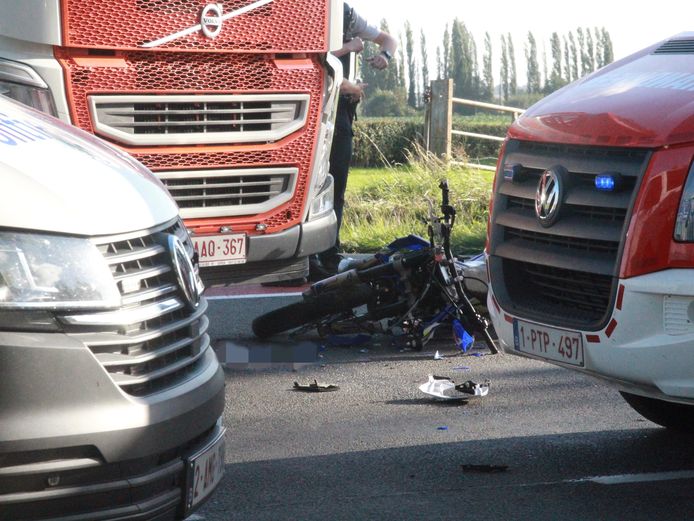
x=548 y=199
x=185 y=273
x=211 y=20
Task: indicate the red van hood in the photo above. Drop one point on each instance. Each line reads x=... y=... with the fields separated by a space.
x=644 y=100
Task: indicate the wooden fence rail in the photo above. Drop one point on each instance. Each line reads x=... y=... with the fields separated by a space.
x=439 y=121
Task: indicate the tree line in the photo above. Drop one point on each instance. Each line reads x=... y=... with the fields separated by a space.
x=401 y=89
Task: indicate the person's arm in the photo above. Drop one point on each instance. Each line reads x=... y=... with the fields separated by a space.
x=354 y=45
x=386 y=43
x=387 y=47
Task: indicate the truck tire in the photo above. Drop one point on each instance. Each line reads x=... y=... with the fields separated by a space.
x=675 y=416
x=311 y=310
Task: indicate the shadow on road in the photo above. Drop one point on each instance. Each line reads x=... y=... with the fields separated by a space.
x=546 y=480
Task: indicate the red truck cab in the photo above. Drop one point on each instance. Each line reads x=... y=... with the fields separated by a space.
x=230 y=105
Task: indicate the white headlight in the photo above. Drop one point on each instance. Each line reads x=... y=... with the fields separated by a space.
x=53 y=272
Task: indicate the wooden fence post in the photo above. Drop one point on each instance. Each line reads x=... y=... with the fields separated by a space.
x=441 y=122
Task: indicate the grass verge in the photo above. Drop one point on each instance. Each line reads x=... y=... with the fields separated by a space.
x=386 y=203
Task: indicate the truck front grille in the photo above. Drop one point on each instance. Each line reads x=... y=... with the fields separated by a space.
x=149 y=74
x=210 y=193
x=565 y=274
x=154 y=341
x=152 y=120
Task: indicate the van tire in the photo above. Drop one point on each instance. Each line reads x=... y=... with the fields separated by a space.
x=675 y=416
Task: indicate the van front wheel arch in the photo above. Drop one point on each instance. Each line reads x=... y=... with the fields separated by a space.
x=675 y=416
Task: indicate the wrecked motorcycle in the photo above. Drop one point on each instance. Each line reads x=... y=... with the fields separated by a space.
x=407 y=291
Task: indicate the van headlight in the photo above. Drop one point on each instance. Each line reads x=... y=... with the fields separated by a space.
x=51 y=272
x=21 y=83
x=684 y=226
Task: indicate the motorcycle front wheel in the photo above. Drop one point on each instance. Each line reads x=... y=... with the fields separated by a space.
x=311 y=310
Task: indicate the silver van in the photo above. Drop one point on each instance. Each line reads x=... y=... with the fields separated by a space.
x=110 y=394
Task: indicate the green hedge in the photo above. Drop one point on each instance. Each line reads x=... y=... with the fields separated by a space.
x=385 y=141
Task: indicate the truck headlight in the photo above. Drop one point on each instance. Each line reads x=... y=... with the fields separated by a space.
x=319 y=188
x=50 y=272
x=21 y=83
x=324 y=202
x=684 y=226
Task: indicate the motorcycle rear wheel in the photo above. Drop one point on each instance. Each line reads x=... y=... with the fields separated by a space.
x=311 y=310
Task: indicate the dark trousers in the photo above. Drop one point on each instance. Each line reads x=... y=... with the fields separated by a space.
x=340 y=158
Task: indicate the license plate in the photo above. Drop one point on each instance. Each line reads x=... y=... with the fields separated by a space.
x=205 y=471
x=221 y=250
x=547 y=342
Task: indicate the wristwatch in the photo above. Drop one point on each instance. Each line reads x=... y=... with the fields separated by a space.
x=387 y=55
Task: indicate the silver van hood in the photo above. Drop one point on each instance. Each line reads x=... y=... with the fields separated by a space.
x=57 y=178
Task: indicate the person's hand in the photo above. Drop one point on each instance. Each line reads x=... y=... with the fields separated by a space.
x=356 y=44
x=378 y=62
x=353 y=90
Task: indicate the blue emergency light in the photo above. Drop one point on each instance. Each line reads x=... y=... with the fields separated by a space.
x=608 y=182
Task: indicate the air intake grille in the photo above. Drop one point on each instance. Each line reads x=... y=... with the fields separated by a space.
x=566 y=294
x=198 y=120
x=282 y=26
x=564 y=274
x=231 y=192
x=153 y=341
x=676 y=47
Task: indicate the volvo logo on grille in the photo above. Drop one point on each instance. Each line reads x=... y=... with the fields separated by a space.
x=211 y=20
x=185 y=273
x=548 y=199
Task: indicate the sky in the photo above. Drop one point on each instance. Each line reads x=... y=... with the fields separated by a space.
x=632 y=26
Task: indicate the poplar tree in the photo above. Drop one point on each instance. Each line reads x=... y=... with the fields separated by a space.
x=447 y=70
x=458 y=60
x=512 y=81
x=590 y=50
x=439 y=63
x=607 y=51
x=533 y=72
x=504 y=88
x=583 y=52
x=425 y=61
x=574 y=57
x=476 y=87
x=464 y=61
x=545 y=77
x=599 y=52
x=401 y=64
x=555 y=77
x=411 y=67
x=567 y=61
x=487 y=76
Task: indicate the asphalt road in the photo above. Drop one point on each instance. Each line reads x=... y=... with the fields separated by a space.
x=380 y=449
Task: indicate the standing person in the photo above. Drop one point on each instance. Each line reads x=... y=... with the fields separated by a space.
x=355 y=30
